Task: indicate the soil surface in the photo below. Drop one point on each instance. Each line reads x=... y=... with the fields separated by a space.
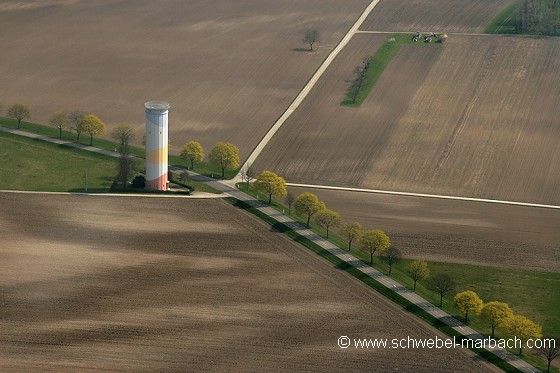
x=93 y=283
x=456 y=231
x=476 y=117
x=228 y=68
x=434 y=16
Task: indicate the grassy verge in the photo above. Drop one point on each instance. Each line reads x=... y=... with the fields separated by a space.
x=530 y=293
x=29 y=164
x=380 y=60
x=504 y=23
x=341 y=265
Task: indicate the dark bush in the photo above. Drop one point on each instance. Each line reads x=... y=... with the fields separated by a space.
x=139 y=182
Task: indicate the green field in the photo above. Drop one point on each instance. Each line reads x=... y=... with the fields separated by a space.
x=203 y=168
x=380 y=60
x=36 y=165
x=504 y=23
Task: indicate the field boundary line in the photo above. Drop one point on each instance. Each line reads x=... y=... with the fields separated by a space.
x=424 y=195
x=307 y=88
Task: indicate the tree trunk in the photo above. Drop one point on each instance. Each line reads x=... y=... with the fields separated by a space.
x=466 y=317
x=60 y=133
x=371 y=259
x=390 y=267
x=493 y=327
x=327 y=231
x=349 y=245
x=192 y=164
x=223 y=172
x=308 y=218
x=91 y=139
x=441 y=299
x=414 y=285
x=269 y=199
x=18 y=123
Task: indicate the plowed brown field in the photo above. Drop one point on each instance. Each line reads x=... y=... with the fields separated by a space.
x=228 y=68
x=434 y=15
x=133 y=284
x=475 y=118
x=456 y=231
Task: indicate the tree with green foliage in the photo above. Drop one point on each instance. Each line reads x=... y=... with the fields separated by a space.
x=271 y=184
x=225 y=156
x=522 y=328
x=495 y=314
x=93 y=126
x=392 y=256
x=192 y=151
x=442 y=284
x=418 y=270
x=19 y=112
x=550 y=349
x=59 y=120
x=373 y=240
x=75 y=118
x=123 y=134
x=468 y=302
x=311 y=37
x=307 y=204
x=327 y=218
x=351 y=231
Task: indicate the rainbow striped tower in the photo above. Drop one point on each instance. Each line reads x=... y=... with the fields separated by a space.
x=156 y=145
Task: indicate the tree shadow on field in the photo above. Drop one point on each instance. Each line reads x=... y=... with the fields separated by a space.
x=301 y=50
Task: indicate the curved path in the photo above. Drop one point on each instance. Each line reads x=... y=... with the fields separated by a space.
x=305 y=91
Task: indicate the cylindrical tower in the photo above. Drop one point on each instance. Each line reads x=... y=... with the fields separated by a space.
x=156 y=145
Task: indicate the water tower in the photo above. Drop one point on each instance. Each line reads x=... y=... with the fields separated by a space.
x=156 y=145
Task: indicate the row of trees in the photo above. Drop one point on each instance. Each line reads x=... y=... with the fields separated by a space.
x=498 y=315
x=307 y=205
x=223 y=155
x=360 y=73
x=79 y=121
x=538 y=17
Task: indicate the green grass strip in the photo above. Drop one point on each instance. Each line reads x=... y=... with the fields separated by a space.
x=344 y=266
x=504 y=23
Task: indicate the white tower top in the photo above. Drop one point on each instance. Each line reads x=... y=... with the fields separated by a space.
x=157 y=105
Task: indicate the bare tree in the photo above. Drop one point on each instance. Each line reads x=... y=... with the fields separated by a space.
x=311 y=37
x=442 y=284
x=19 y=112
x=75 y=118
x=392 y=256
x=59 y=121
x=290 y=199
x=550 y=349
x=247 y=174
x=123 y=134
